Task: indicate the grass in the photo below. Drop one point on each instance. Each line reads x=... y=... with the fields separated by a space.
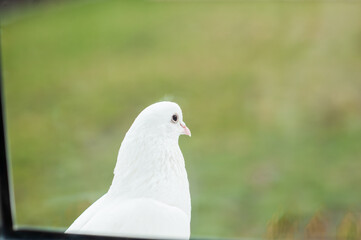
x=270 y=90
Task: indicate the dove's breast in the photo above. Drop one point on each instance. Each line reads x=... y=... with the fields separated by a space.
x=152 y=168
x=142 y=217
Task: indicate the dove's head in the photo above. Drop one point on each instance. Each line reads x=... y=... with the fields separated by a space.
x=162 y=119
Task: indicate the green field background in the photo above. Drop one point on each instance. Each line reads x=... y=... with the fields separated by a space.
x=271 y=91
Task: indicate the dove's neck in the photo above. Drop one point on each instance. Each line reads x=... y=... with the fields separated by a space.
x=152 y=168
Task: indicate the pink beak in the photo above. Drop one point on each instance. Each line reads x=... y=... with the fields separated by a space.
x=186 y=130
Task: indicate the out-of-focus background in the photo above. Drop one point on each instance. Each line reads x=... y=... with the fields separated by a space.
x=270 y=89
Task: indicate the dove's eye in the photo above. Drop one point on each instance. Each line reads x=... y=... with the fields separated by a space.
x=174 y=118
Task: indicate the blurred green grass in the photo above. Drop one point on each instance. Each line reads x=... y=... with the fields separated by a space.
x=270 y=90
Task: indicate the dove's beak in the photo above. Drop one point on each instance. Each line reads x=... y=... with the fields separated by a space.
x=186 y=130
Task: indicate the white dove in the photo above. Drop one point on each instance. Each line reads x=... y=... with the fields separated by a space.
x=149 y=196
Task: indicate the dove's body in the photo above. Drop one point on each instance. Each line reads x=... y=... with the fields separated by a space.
x=149 y=195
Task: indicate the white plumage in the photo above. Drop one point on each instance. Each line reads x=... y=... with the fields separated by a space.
x=149 y=195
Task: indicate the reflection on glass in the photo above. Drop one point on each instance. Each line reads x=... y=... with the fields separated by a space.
x=270 y=90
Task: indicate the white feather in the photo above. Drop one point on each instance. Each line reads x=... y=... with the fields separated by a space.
x=149 y=195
